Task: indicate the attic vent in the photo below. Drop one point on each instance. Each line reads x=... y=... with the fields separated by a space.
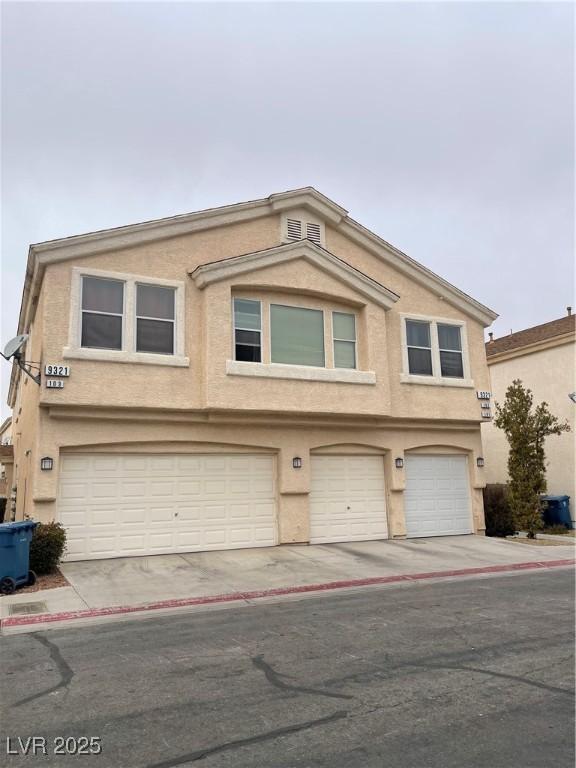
x=313 y=232
x=294 y=228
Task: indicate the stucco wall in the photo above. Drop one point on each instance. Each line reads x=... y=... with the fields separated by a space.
x=127 y=406
x=551 y=375
x=208 y=339
x=137 y=433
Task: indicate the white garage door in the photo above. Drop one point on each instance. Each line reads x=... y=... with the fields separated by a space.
x=114 y=505
x=437 y=498
x=347 y=499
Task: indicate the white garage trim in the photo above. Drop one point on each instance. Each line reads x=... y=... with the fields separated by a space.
x=115 y=505
x=437 y=495
x=347 y=499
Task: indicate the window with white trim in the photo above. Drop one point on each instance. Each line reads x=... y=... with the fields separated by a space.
x=247 y=330
x=434 y=348
x=124 y=317
x=450 y=349
x=344 y=339
x=155 y=319
x=102 y=313
x=419 y=345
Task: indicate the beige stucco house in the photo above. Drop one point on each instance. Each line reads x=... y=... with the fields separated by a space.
x=544 y=359
x=252 y=375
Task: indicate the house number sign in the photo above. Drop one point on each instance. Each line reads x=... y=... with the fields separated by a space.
x=57 y=370
x=54 y=383
x=485 y=410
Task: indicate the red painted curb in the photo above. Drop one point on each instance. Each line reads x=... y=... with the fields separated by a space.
x=15 y=621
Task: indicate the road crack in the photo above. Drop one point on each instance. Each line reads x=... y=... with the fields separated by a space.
x=65 y=670
x=191 y=757
x=275 y=679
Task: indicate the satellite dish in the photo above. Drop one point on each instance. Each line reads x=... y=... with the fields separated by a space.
x=14 y=345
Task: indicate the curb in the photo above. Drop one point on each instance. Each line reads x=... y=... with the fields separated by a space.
x=90 y=613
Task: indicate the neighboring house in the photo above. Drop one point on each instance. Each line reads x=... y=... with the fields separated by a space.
x=544 y=359
x=263 y=373
x=6 y=431
x=6 y=464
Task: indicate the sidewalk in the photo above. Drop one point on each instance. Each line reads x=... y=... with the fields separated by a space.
x=103 y=588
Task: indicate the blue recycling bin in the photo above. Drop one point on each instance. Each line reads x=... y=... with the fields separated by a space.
x=556 y=511
x=15 y=570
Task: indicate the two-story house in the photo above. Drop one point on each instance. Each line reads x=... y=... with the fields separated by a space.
x=262 y=373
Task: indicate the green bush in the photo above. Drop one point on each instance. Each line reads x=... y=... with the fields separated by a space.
x=47 y=547
x=497 y=512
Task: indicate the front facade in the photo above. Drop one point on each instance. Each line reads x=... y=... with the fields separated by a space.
x=544 y=359
x=264 y=373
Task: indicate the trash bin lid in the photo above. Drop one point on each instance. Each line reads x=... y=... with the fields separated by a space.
x=21 y=525
x=555 y=498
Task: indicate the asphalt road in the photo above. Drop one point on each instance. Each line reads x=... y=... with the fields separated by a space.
x=457 y=674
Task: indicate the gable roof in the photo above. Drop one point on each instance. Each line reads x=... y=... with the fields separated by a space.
x=531 y=336
x=102 y=241
x=223 y=269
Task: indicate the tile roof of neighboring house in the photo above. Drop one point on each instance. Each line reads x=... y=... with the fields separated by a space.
x=6 y=451
x=531 y=336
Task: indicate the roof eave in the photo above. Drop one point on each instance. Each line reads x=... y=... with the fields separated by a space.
x=216 y=271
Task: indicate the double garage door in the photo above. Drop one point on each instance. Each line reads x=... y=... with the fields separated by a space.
x=116 y=505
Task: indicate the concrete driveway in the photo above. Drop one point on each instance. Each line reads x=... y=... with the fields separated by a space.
x=138 y=581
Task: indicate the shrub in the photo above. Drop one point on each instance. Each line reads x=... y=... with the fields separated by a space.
x=47 y=547
x=497 y=511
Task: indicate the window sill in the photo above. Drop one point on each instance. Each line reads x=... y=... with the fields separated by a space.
x=433 y=381
x=119 y=356
x=302 y=372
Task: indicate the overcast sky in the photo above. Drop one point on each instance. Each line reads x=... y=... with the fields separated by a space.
x=445 y=128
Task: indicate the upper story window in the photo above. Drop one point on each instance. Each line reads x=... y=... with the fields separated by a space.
x=296 y=335
x=248 y=330
x=265 y=332
x=435 y=349
x=126 y=318
x=155 y=319
x=102 y=313
x=450 y=348
x=344 y=336
x=419 y=348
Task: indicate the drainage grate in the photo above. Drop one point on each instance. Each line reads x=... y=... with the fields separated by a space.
x=26 y=608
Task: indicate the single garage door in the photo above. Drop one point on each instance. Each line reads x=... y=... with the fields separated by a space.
x=347 y=499
x=437 y=498
x=114 y=505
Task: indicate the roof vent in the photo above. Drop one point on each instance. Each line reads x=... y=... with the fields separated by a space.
x=294 y=229
x=569 y=310
x=313 y=232
x=491 y=336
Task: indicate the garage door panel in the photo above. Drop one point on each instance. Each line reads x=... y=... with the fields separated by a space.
x=121 y=506
x=436 y=499
x=347 y=499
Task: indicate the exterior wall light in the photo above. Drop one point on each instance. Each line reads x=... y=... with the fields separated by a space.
x=480 y=461
x=297 y=462
x=46 y=463
x=399 y=463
